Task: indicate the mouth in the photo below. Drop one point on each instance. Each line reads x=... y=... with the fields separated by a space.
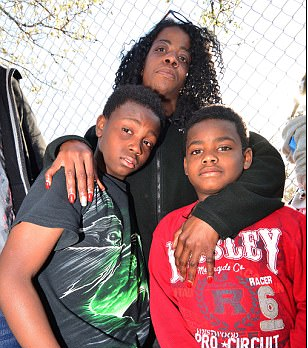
x=209 y=172
x=129 y=162
x=168 y=73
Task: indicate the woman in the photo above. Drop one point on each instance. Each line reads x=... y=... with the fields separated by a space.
x=178 y=59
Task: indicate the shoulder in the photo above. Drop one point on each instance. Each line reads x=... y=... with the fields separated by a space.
x=180 y=213
x=14 y=77
x=58 y=182
x=290 y=213
x=285 y=218
x=292 y=225
x=41 y=199
x=263 y=148
x=175 y=219
x=293 y=125
x=258 y=143
x=256 y=138
x=10 y=71
x=50 y=208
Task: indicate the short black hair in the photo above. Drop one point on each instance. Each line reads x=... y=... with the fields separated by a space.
x=136 y=93
x=220 y=112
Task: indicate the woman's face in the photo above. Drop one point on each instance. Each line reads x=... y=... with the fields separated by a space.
x=167 y=62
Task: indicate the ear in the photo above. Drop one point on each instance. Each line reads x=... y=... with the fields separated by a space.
x=100 y=124
x=185 y=166
x=247 y=158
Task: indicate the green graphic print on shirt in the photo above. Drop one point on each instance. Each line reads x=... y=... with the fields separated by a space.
x=101 y=279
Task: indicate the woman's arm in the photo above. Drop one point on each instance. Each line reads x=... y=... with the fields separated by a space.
x=25 y=252
x=256 y=194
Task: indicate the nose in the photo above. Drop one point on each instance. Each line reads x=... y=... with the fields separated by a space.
x=171 y=59
x=136 y=148
x=209 y=158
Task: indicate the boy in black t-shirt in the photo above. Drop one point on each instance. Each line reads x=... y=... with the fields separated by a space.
x=74 y=276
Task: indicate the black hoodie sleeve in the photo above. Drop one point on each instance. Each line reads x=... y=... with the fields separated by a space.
x=53 y=148
x=256 y=194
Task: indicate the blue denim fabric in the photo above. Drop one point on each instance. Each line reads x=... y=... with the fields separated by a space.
x=7 y=339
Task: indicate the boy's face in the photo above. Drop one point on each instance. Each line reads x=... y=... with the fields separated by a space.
x=214 y=156
x=126 y=139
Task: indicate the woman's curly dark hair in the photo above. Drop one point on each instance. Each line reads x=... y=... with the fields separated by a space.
x=201 y=86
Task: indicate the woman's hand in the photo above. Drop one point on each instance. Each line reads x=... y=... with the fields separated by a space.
x=78 y=161
x=195 y=239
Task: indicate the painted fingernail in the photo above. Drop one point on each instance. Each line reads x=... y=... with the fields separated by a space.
x=83 y=201
x=47 y=185
x=210 y=279
x=71 y=198
x=189 y=283
x=90 y=196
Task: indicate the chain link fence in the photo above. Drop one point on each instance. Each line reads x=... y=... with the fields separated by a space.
x=264 y=52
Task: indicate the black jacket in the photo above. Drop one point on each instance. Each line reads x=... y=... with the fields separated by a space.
x=23 y=143
x=161 y=186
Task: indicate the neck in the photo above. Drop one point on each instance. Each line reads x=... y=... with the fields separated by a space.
x=169 y=107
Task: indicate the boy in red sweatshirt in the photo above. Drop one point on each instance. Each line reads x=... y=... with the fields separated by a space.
x=258 y=296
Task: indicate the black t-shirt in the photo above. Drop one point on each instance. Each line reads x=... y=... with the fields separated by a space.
x=94 y=286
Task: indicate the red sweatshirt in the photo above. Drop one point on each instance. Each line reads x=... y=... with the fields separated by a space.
x=257 y=298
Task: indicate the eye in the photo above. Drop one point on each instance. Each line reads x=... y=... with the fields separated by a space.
x=160 y=49
x=126 y=130
x=183 y=59
x=196 y=152
x=148 y=144
x=224 y=148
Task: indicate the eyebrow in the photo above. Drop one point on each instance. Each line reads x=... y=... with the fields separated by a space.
x=139 y=123
x=199 y=142
x=170 y=43
x=225 y=138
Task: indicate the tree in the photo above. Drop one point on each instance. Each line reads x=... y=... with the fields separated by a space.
x=219 y=14
x=32 y=26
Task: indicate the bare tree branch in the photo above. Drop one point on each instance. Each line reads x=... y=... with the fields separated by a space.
x=31 y=23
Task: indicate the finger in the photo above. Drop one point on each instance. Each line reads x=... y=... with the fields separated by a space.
x=182 y=262
x=82 y=188
x=210 y=266
x=182 y=254
x=84 y=167
x=51 y=172
x=192 y=269
x=90 y=183
x=99 y=183
x=48 y=180
x=70 y=183
x=178 y=250
x=176 y=237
